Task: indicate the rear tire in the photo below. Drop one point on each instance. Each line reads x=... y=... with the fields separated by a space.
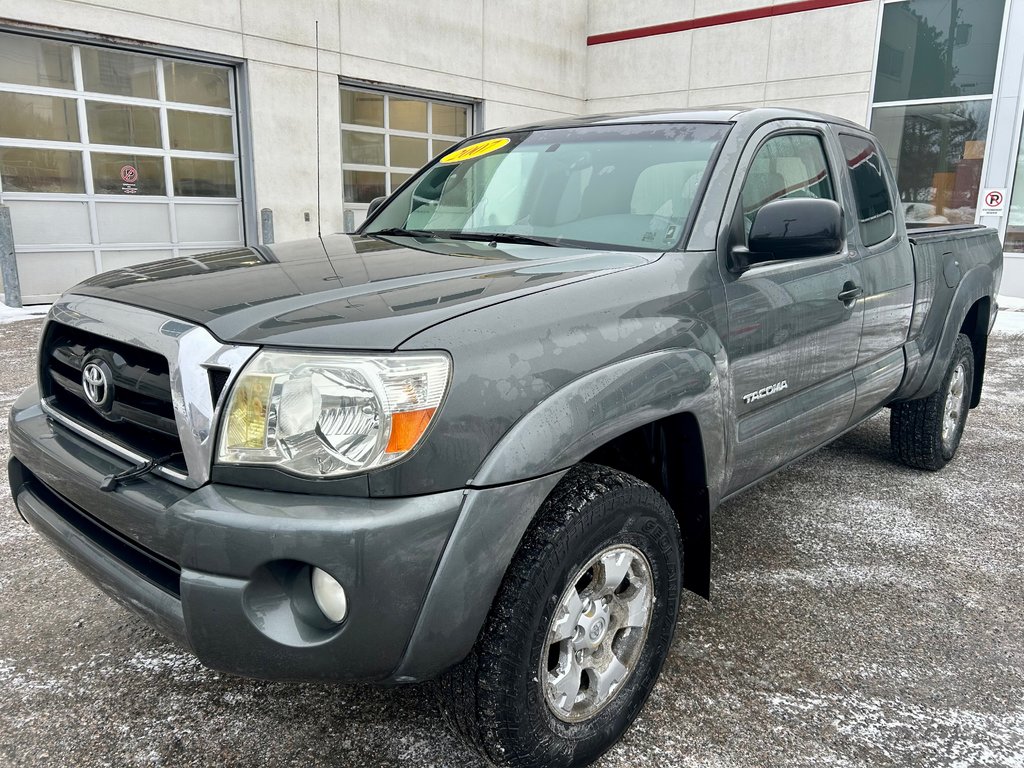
x=926 y=433
x=602 y=557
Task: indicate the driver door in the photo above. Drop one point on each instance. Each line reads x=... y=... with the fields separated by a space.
x=792 y=343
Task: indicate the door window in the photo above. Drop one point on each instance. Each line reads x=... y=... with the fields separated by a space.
x=870 y=190
x=785 y=167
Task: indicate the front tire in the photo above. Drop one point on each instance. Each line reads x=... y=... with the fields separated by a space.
x=579 y=628
x=925 y=433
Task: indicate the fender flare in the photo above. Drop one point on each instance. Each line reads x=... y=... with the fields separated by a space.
x=522 y=469
x=589 y=411
x=926 y=378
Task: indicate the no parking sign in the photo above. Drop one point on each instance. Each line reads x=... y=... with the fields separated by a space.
x=992 y=202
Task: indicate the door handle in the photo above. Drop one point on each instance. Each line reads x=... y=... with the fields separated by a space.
x=850 y=293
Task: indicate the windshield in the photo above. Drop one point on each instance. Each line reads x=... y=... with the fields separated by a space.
x=619 y=186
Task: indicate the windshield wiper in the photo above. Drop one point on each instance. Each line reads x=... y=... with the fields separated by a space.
x=499 y=237
x=400 y=232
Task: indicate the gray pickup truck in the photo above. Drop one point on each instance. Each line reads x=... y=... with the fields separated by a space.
x=482 y=439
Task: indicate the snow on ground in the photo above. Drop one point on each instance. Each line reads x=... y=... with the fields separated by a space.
x=12 y=315
x=1011 y=315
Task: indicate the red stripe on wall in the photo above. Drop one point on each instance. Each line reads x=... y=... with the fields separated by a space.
x=718 y=20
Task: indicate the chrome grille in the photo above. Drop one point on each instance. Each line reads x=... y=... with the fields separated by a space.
x=166 y=381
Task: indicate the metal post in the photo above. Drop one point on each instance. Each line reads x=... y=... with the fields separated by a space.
x=8 y=263
x=267 y=225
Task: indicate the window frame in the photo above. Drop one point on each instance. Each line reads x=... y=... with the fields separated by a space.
x=819 y=133
x=386 y=132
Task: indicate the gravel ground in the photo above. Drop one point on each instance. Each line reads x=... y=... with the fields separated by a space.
x=863 y=615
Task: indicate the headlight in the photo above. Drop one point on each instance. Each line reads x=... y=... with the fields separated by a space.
x=326 y=415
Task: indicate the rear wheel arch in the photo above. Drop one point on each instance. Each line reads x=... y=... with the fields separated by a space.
x=975 y=327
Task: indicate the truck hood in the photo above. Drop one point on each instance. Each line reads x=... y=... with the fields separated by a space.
x=346 y=291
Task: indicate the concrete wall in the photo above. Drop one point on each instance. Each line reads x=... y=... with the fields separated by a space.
x=821 y=59
x=521 y=60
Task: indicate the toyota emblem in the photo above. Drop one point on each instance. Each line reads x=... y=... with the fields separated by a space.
x=96 y=381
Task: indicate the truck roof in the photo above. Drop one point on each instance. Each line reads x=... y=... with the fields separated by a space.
x=751 y=116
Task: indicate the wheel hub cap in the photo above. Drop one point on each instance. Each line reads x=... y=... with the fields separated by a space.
x=597 y=633
x=954 y=406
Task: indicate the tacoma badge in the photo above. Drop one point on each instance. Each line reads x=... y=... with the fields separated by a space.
x=766 y=391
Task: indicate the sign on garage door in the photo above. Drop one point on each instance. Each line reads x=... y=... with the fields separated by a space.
x=110 y=159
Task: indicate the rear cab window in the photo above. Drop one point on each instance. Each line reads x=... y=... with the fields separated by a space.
x=871 y=194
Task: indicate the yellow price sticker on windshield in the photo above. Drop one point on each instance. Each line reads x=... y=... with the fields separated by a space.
x=474 y=150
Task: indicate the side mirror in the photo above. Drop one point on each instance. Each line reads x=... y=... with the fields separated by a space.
x=376 y=203
x=792 y=229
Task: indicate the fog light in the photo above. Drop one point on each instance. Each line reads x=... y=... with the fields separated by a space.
x=329 y=595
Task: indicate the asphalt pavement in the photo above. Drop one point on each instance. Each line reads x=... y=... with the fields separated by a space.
x=863 y=614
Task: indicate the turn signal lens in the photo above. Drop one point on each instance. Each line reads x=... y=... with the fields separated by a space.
x=407 y=428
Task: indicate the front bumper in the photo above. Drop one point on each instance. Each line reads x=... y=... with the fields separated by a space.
x=225 y=570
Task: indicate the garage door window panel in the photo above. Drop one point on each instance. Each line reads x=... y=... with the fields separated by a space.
x=203 y=178
x=192 y=83
x=30 y=61
x=123 y=74
x=38 y=118
x=363 y=186
x=123 y=125
x=200 y=131
x=41 y=170
x=362 y=108
x=363 y=148
x=116 y=174
x=408 y=152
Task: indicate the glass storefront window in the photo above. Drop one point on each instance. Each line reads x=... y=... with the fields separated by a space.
x=48 y=118
x=122 y=124
x=932 y=49
x=30 y=61
x=41 y=170
x=203 y=178
x=123 y=74
x=127 y=174
x=1014 y=241
x=200 y=132
x=936 y=151
x=192 y=83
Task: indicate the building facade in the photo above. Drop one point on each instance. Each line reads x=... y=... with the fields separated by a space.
x=142 y=130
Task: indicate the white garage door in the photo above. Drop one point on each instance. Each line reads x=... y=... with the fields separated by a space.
x=110 y=159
